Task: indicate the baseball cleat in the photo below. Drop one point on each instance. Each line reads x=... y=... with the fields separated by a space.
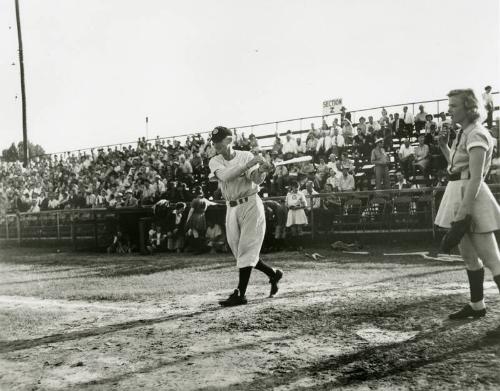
x=468 y=312
x=234 y=299
x=278 y=274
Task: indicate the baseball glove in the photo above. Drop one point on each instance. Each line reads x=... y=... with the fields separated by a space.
x=455 y=234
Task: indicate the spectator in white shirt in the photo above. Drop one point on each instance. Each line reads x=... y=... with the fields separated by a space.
x=308 y=192
x=408 y=120
x=372 y=126
x=53 y=202
x=301 y=147
x=324 y=145
x=289 y=146
x=332 y=164
x=406 y=155
x=346 y=181
x=332 y=178
x=335 y=125
x=34 y=208
x=338 y=142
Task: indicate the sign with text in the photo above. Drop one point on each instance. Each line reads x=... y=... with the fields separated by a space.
x=332 y=106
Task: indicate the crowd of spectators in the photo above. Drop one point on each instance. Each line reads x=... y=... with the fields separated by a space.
x=346 y=157
x=396 y=150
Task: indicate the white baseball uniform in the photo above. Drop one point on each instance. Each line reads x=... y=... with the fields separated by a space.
x=245 y=222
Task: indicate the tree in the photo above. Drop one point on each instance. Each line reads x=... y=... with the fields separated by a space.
x=10 y=154
x=33 y=150
x=14 y=153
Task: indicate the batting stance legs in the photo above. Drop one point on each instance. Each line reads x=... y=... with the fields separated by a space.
x=247 y=225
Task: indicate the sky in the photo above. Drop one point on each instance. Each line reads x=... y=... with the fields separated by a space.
x=95 y=69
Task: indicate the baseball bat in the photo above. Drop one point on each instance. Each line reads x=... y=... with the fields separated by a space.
x=300 y=159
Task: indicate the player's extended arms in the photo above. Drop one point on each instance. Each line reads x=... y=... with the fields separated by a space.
x=229 y=173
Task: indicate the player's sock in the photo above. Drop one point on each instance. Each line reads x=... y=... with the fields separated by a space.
x=268 y=271
x=476 y=280
x=497 y=280
x=478 y=305
x=244 y=278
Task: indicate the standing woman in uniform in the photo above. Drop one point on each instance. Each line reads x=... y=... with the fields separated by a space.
x=239 y=174
x=466 y=194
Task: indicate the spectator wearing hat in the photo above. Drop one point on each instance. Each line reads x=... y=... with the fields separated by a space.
x=381 y=161
x=489 y=106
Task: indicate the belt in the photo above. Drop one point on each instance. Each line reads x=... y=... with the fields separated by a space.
x=237 y=202
x=457 y=176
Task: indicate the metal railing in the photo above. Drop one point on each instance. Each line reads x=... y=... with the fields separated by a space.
x=263 y=130
x=360 y=212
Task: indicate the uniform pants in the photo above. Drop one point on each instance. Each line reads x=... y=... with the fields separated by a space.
x=246 y=227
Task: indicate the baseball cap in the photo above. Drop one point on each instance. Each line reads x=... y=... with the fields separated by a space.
x=220 y=133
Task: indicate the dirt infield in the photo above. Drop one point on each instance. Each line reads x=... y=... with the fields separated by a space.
x=347 y=321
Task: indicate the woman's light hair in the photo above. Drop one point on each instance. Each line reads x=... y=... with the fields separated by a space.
x=472 y=102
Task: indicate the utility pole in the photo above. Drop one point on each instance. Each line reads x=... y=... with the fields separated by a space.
x=147 y=128
x=23 y=92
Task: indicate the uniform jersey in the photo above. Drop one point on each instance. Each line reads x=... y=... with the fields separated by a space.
x=239 y=187
x=475 y=135
x=296 y=199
